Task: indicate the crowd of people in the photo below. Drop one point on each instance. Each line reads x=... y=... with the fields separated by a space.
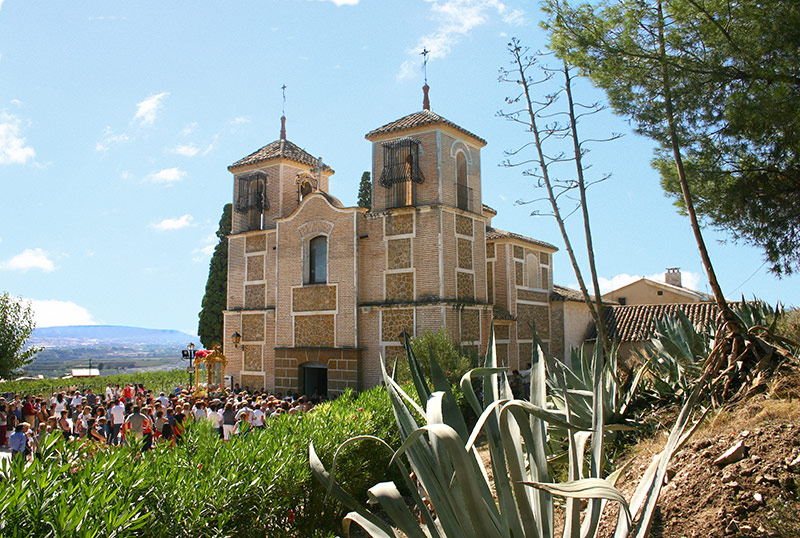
x=121 y=414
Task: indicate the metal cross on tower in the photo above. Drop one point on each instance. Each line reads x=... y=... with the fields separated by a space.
x=424 y=55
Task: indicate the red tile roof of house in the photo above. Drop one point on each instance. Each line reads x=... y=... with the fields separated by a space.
x=635 y=323
x=419 y=119
x=280 y=149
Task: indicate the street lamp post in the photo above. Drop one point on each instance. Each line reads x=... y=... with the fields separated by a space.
x=188 y=353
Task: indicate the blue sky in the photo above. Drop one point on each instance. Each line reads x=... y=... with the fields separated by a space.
x=118 y=120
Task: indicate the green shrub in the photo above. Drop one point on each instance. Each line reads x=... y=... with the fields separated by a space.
x=258 y=485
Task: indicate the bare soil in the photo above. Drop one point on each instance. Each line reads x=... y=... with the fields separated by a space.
x=756 y=496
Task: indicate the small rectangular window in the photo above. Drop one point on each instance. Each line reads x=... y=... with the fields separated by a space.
x=317 y=260
x=622 y=300
x=660 y=292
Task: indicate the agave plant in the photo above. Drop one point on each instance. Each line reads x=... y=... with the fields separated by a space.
x=454 y=496
x=674 y=356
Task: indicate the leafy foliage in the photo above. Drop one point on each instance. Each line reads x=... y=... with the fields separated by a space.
x=258 y=485
x=215 y=299
x=454 y=361
x=452 y=478
x=731 y=80
x=365 y=191
x=16 y=327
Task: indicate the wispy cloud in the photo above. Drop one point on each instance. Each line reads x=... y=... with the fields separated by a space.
x=14 y=149
x=187 y=150
x=147 y=110
x=457 y=18
x=689 y=280
x=189 y=129
x=345 y=2
x=202 y=253
x=31 y=258
x=54 y=313
x=240 y=120
x=171 y=224
x=109 y=138
x=167 y=176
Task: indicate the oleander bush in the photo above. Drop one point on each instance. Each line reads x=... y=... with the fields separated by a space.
x=257 y=485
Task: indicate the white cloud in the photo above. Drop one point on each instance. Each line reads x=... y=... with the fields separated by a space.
x=240 y=120
x=147 y=110
x=189 y=129
x=176 y=223
x=345 y=2
x=31 y=258
x=456 y=19
x=1 y=4
x=167 y=176
x=52 y=313
x=187 y=150
x=13 y=148
x=16 y=102
x=110 y=138
x=689 y=280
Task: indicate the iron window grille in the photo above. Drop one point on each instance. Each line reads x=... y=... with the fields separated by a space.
x=401 y=162
x=252 y=192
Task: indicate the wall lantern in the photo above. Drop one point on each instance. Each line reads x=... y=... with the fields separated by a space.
x=236 y=337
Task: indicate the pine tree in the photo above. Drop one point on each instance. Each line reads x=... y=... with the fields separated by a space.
x=365 y=191
x=216 y=297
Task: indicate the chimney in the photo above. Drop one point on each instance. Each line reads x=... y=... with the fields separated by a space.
x=673 y=276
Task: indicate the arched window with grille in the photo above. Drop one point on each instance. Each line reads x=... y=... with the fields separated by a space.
x=400 y=171
x=252 y=199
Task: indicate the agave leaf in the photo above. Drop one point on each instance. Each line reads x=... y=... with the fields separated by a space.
x=649 y=491
x=319 y=472
x=598 y=433
x=375 y=531
x=387 y=494
x=591 y=488
x=416 y=372
x=482 y=516
x=451 y=414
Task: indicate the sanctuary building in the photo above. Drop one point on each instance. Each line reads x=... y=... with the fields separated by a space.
x=319 y=292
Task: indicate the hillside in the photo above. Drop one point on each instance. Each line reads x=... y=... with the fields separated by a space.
x=112 y=348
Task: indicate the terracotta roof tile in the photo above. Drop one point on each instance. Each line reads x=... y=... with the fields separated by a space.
x=419 y=119
x=494 y=233
x=635 y=323
x=279 y=149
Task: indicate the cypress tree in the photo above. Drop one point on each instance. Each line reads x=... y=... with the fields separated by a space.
x=365 y=191
x=209 y=329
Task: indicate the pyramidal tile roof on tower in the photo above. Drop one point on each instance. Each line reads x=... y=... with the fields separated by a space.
x=419 y=119
x=279 y=149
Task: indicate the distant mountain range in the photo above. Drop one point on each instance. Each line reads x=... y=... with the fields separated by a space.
x=111 y=348
x=72 y=336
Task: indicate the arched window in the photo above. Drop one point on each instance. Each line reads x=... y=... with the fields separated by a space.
x=462 y=188
x=532 y=267
x=317 y=260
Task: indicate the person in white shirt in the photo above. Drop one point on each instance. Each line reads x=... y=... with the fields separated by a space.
x=199 y=411
x=216 y=419
x=117 y=419
x=109 y=393
x=76 y=399
x=257 y=418
x=164 y=400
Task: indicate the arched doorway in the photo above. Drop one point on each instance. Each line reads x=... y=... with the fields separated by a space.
x=313 y=379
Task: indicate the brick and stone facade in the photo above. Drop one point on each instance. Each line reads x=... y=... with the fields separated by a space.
x=320 y=292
